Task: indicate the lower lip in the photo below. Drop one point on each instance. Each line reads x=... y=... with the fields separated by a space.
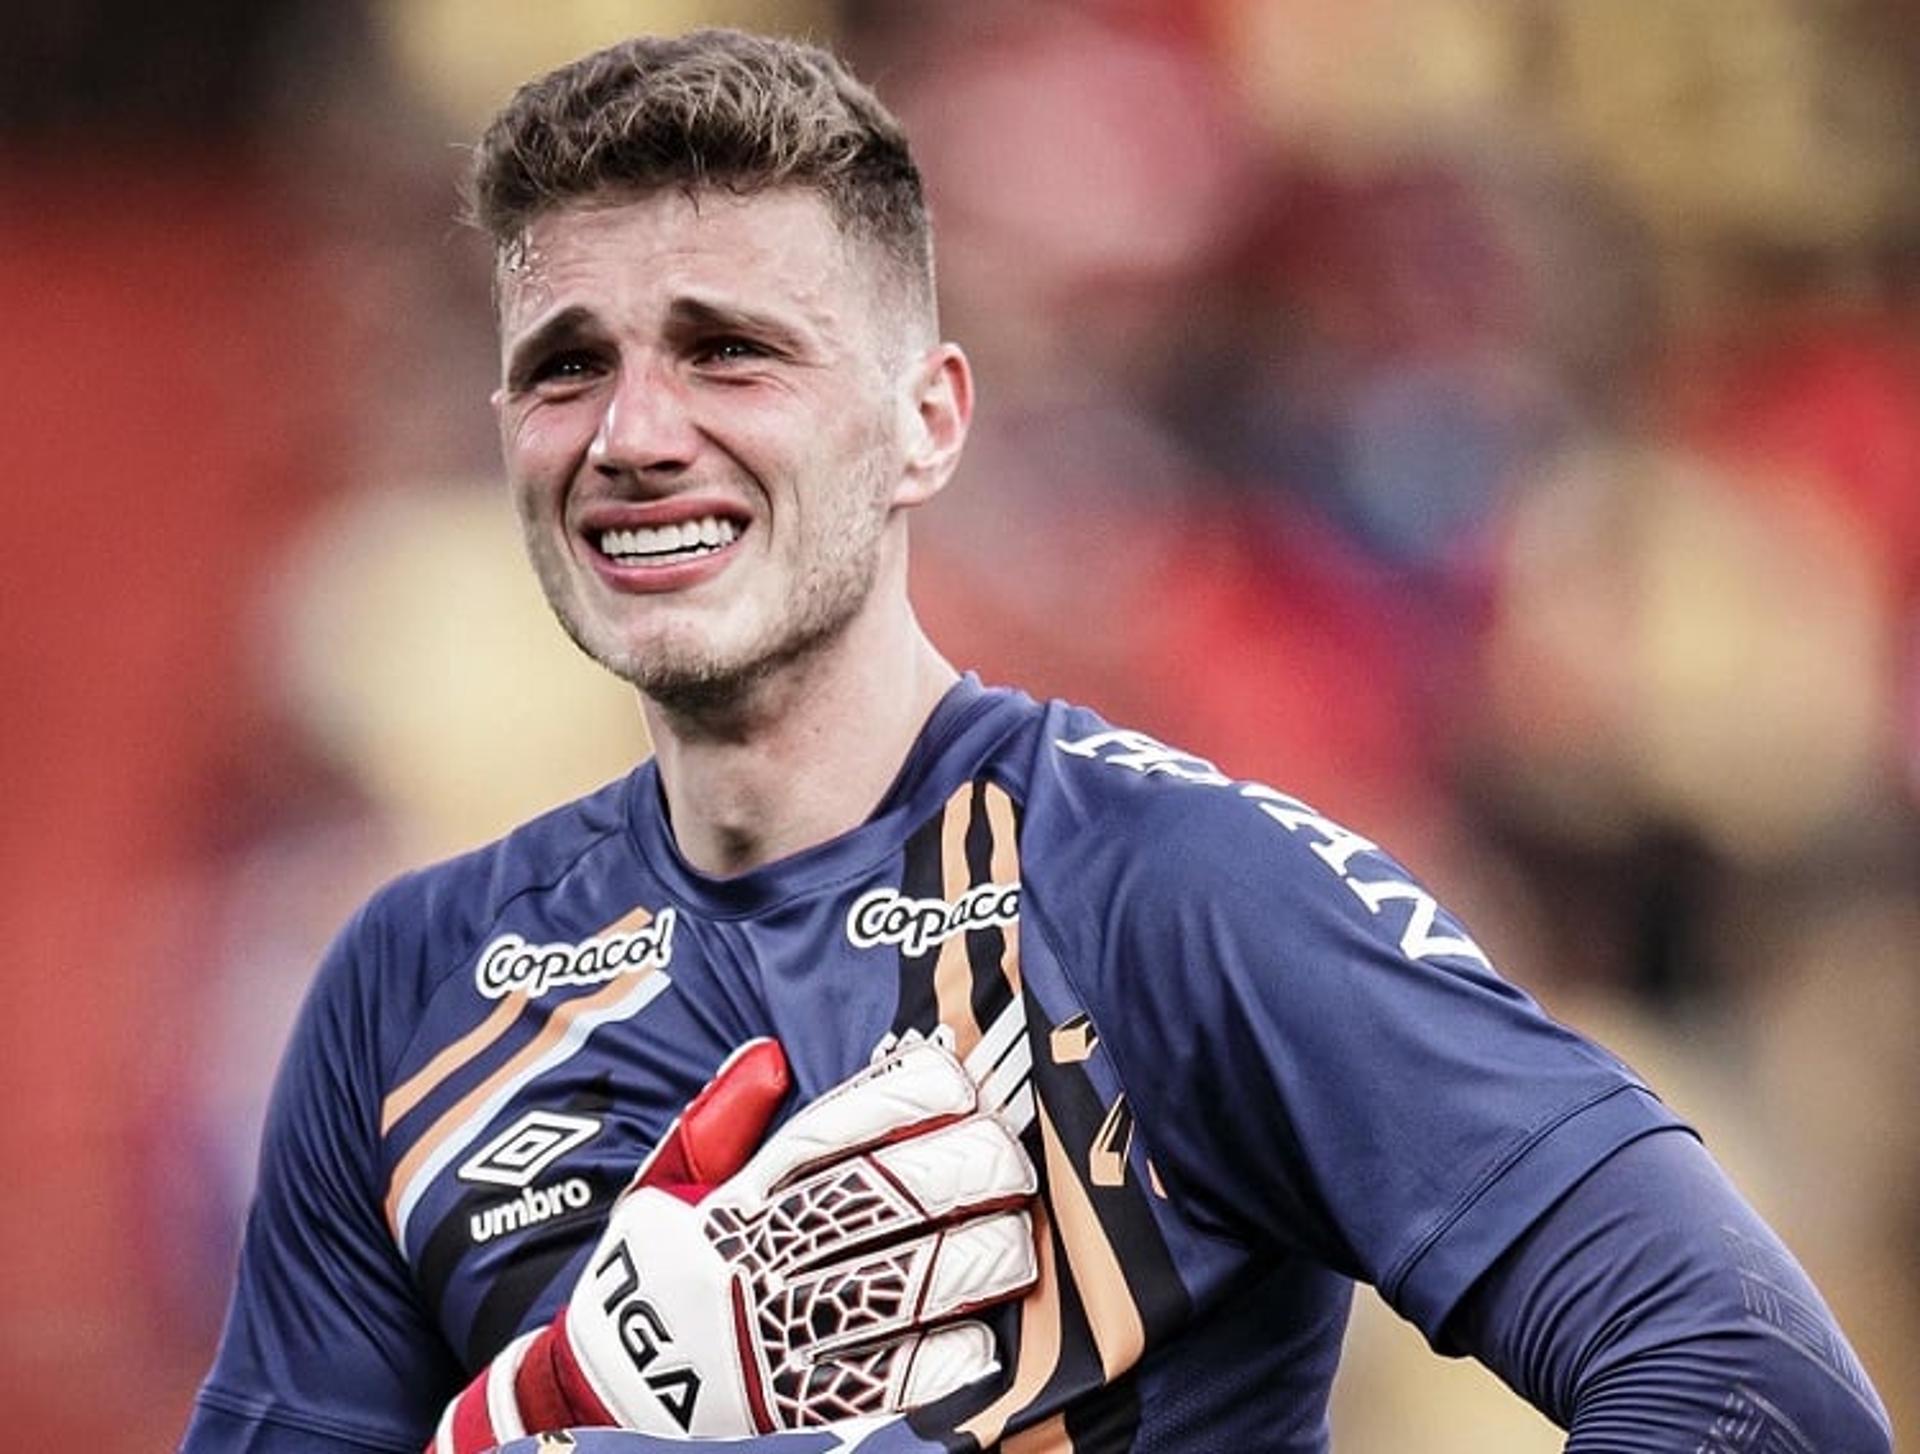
x=655 y=579
x=641 y=580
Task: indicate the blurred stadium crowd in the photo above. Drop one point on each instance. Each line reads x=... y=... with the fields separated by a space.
x=1497 y=421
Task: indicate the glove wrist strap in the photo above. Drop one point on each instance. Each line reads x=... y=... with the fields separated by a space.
x=551 y=1390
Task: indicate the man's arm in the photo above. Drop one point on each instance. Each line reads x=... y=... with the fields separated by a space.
x=326 y=1349
x=1651 y=1309
x=1409 y=1118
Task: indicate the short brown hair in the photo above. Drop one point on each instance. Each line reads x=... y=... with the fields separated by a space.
x=713 y=108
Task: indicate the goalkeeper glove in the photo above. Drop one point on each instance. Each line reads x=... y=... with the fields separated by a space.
x=826 y=1278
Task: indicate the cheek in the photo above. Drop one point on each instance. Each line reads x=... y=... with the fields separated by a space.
x=540 y=449
x=856 y=452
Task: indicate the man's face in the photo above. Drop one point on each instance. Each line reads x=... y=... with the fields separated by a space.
x=700 y=419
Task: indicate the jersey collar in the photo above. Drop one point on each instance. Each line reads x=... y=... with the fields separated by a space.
x=965 y=724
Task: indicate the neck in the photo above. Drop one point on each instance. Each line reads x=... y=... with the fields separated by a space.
x=804 y=754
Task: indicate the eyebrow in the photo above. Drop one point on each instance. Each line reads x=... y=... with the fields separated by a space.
x=563 y=327
x=698 y=316
x=687 y=317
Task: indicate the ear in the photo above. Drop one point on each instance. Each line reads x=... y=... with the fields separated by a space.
x=939 y=405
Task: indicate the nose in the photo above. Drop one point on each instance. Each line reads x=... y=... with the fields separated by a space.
x=646 y=429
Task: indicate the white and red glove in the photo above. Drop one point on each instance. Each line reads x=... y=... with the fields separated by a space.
x=828 y=1277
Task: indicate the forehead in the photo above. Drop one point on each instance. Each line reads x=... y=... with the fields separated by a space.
x=622 y=257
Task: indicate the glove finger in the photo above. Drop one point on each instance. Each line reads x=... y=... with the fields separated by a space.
x=888 y=1291
x=895 y=1376
x=970 y=1166
x=980 y=1263
x=714 y=1136
x=945 y=1175
x=918 y=1086
x=934 y=1364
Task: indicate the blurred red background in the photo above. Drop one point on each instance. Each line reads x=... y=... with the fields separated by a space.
x=1498 y=423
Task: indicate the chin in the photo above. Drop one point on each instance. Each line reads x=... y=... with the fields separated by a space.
x=704 y=681
x=674 y=670
x=647 y=654
x=711 y=662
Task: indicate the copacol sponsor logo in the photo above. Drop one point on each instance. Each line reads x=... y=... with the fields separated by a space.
x=510 y=964
x=887 y=916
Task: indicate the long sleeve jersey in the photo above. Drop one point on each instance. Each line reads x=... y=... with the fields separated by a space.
x=1253 y=1059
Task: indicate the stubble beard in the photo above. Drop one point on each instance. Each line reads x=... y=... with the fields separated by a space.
x=691 y=677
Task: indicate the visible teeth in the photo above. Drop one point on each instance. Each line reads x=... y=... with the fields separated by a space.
x=708 y=533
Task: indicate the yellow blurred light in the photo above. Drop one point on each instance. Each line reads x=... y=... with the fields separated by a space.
x=1367 y=76
x=1678 y=646
x=1772 y=118
x=1765 y=654
x=467 y=56
x=422 y=657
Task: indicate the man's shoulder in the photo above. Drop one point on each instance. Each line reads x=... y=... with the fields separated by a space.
x=537 y=852
x=434 y=917
x=1116 y=818
x=1130 y=791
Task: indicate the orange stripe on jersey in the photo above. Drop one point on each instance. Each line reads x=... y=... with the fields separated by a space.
x=1112 y=1313
x=1039 y=1352
x=1006 y=870
x=410 y=1093
x=416 y=1088
x=1048 y=1438
x=456 y=1116
x=1107 y=1157
x=953 y=971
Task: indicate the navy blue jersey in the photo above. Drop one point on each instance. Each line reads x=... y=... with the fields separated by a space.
x=1252 y=1058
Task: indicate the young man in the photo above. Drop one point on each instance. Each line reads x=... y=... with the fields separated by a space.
x=1112 y=1073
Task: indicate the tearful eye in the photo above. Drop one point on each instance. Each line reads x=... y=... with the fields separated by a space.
x=730 y=350
x=573 y=364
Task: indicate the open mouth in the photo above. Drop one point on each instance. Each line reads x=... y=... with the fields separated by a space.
x=656 y=545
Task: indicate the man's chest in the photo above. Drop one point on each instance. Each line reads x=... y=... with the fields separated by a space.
x=509 y=1138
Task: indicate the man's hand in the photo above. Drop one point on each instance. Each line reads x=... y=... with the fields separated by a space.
x=826 y=1278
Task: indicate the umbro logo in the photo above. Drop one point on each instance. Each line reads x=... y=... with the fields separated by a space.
x=527 y=1148
x=534 y=1205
